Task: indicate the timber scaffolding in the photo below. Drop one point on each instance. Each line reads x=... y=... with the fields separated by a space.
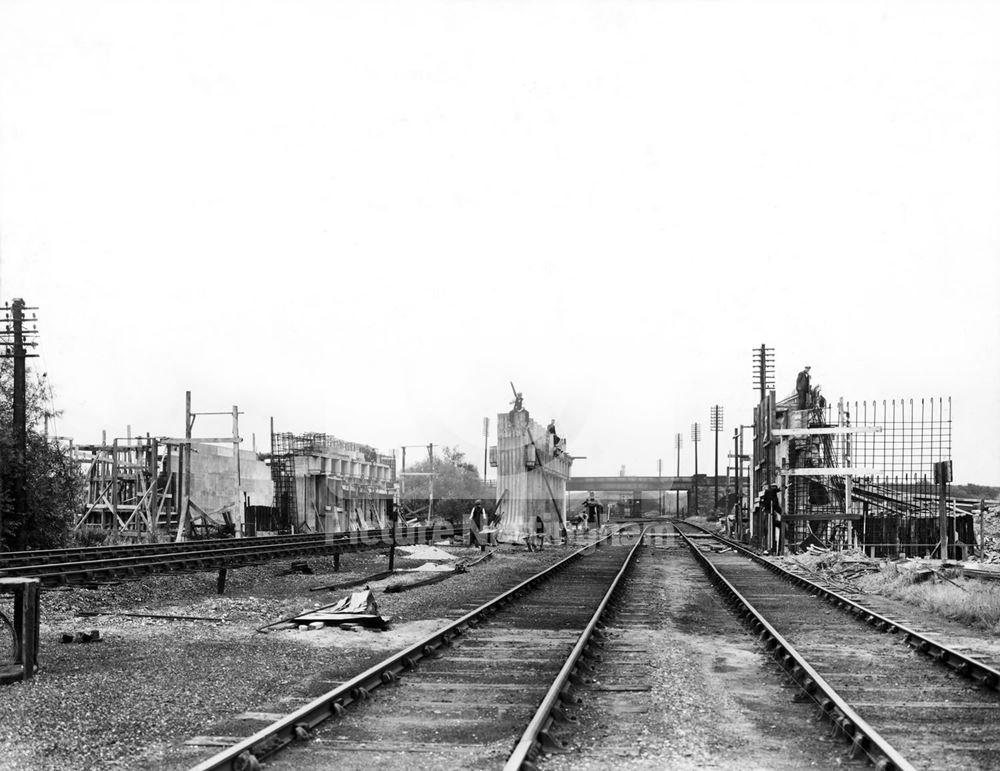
x=322 y=483
x=130 y=485
x=856 y=474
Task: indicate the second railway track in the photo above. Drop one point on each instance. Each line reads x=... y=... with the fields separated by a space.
x=901 y=709
x=54 y=567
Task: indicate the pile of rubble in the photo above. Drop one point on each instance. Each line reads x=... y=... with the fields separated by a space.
x=836 y=567
x=991 y=541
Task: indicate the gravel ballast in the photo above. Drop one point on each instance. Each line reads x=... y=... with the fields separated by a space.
x=133 y=699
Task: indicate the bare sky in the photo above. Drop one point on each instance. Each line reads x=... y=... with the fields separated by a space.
x=365 y=218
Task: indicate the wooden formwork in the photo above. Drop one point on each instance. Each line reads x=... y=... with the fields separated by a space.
x=130 y=486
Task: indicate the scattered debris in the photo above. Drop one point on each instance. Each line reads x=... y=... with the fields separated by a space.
x=480 y=559
x=164 y=616
x=424 y=552
x=357 y=608
x=299 y=566
x=82 y=637
x=441 y=576
x=289 y=619
x=356 y=582
x=429 y=567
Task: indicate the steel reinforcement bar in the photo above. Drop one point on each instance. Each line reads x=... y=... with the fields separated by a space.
x=298 y=725
x=864 y=738
x=965 y=665
x=536 y=736
x=229 y=553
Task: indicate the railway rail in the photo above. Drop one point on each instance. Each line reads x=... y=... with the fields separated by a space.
x=70 y=554
x=493 y=680
x=900 y=710
x=71 y=566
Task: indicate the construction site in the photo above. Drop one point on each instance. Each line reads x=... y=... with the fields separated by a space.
x=832 y=500
x=159 y=488
x=873 y=475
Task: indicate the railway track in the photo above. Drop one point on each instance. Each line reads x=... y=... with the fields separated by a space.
x=483 y=691
x=863 y=671
x=74 y=566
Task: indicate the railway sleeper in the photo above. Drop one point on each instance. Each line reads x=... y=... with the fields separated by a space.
x=549 y=743
x=246 y=761
x=560 y=715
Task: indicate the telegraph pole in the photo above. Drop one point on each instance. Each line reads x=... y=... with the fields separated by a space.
x=486 y=447
x=678 y=441
x=695 y=437
x=659 y=473
x=430 y=500
x=715 y=423
x=13 y=338
x=763 y=369
x=739 y=484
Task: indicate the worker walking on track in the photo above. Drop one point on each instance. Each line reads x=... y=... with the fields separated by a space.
x=477 y=521
x=592 y=510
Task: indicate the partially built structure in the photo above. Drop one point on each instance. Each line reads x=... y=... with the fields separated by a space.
x=866 y=474
x=532 y=470
x=325 y=484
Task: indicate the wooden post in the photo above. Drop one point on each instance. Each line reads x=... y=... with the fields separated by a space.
x=738 y=486
x=486 y=451
x=430 y=502
x=26 y=622
x=179 y=487
x=154 y=452
x=184 y=471
x=982 y=531
x=220 y=582
x=942 y=508
x=238 y=514
x=114 y=482
x=402 y=478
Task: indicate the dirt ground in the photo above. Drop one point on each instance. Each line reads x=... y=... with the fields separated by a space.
x=136 y=698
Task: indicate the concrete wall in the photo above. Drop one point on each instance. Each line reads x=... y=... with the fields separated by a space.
x=336 y=494
x=213 y=477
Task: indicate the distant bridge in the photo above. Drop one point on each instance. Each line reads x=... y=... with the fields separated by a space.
x=640 y=484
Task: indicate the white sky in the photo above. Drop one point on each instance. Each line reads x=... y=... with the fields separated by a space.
x=365 y=218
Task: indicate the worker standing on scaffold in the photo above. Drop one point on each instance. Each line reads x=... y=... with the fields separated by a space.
x=802 y=387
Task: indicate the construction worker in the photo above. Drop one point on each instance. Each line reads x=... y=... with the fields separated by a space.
x=770 y=505
x=592 y=511
x=802 y=387
x=477 y=521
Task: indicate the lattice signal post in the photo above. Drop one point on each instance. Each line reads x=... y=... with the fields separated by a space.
x=715 y=423
x=678 y=443
x=696 y=437
x=763 y=370
x=17 y=335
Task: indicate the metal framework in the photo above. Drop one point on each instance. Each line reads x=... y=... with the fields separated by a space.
x=862 y=472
